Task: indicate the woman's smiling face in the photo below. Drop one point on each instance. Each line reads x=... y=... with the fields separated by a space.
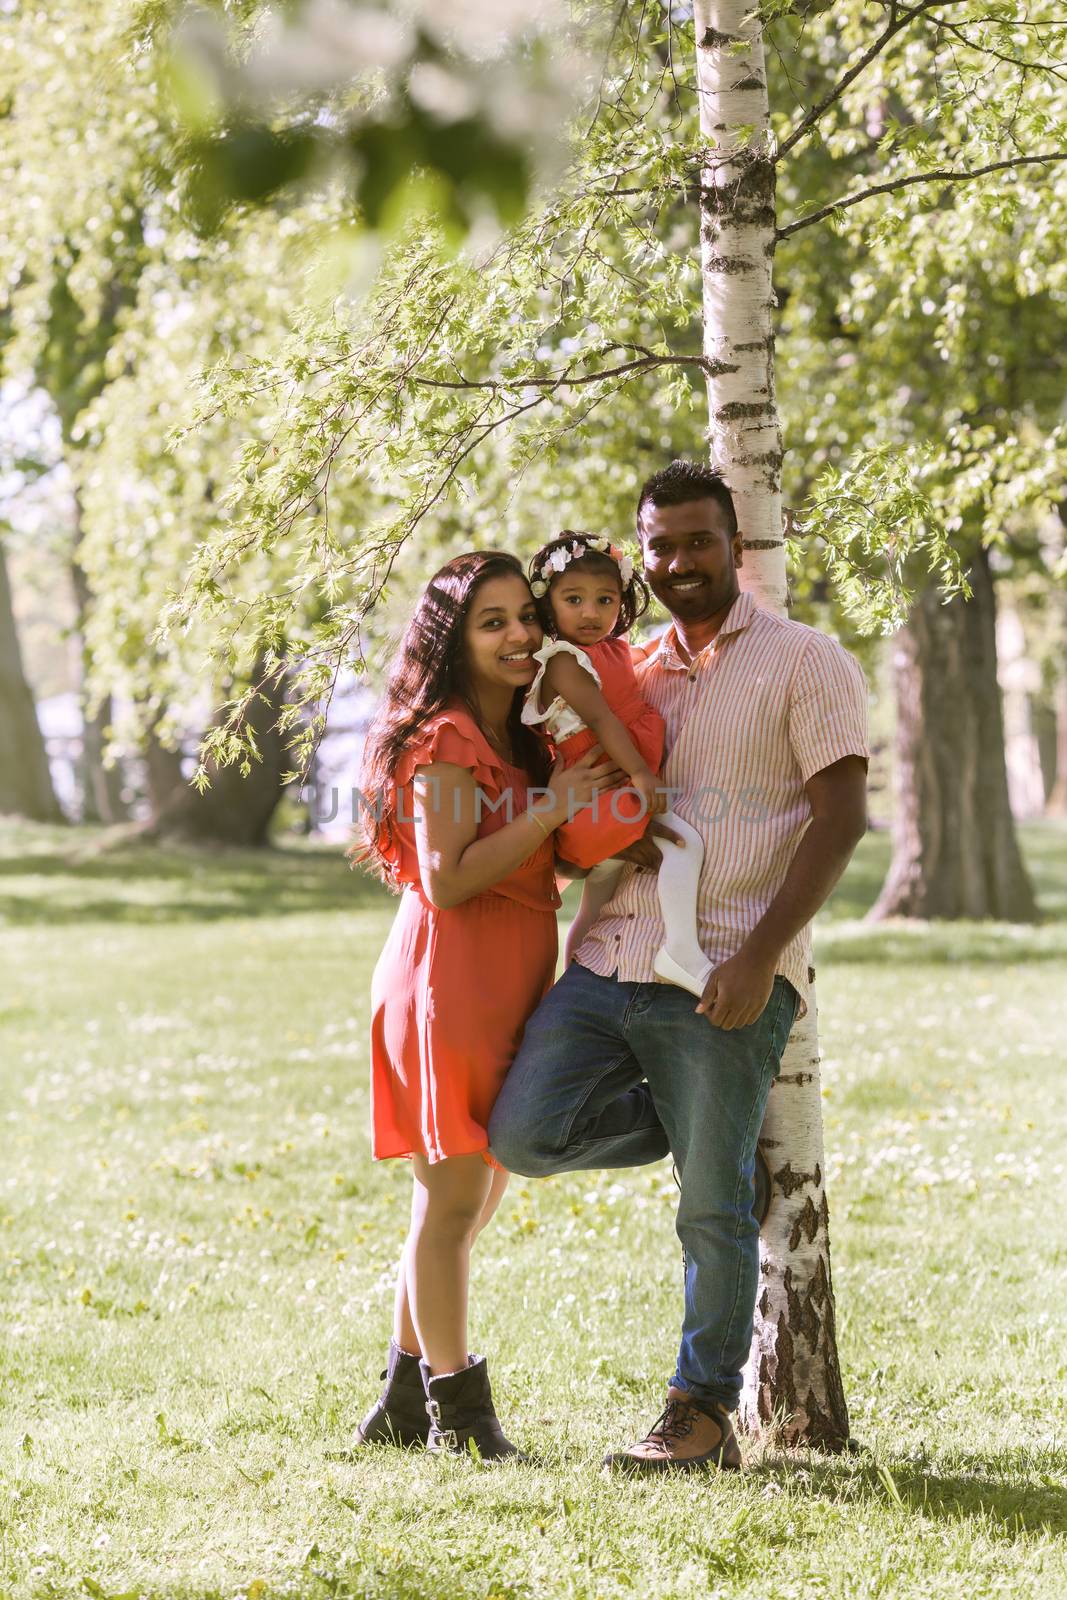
x=500 y=634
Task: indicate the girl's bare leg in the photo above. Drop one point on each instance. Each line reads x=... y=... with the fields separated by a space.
x=597 y=889
x=404 y=1333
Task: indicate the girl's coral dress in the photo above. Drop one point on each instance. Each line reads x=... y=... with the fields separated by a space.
x=615 y=819
x=453 y=989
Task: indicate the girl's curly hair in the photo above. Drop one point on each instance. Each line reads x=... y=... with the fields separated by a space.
x=635 y=595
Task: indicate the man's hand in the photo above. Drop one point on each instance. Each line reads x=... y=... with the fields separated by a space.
x=738 y=991
x=644 y=852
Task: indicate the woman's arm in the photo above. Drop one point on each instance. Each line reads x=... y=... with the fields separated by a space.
x=566 y=676
x=454 y=864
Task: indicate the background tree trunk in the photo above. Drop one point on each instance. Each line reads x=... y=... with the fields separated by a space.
x=25 y=781
x=955 y=851
x=101 y=785
x=163 y=775
x=793 y=1372
x=1019 y=676
x=235 y=810
x=1057 y=800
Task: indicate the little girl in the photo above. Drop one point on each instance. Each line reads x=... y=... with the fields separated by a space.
x=585 y=693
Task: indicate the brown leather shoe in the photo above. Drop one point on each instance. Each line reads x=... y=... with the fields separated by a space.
x=687 y=1434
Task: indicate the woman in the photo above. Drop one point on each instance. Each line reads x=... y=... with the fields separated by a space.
x=449 y=767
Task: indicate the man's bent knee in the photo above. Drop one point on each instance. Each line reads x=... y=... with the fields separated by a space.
x=519 y=1147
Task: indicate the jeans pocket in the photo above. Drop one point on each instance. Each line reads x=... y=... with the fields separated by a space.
x=784 y=1018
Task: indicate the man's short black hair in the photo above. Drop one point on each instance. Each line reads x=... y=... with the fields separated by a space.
x=684 y=481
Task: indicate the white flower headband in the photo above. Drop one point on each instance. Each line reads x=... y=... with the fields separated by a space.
x=558 y=560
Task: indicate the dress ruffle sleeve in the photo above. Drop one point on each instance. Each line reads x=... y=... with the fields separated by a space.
x=454 y=737
x=450 y=736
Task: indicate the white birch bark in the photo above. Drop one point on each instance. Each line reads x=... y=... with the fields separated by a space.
x=793 y=1377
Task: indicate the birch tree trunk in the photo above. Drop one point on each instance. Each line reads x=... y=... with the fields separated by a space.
x=793 y=1375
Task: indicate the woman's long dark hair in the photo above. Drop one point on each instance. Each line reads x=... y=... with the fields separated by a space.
x=430 y=672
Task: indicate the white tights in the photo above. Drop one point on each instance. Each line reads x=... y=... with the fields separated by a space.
x=681 y=959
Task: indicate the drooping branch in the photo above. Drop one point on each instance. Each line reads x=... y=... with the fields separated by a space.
x=1054 y=69
x=941 y=175
x=900 y=17
x=568 y=379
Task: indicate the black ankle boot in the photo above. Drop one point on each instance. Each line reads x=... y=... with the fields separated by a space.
x=399 y=1415
x=461 y=1408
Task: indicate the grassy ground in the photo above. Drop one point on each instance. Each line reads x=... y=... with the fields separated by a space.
x=196 y=1258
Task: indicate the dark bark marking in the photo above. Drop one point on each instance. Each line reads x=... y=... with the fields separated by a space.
x=820 y=1291
x=820 y=1431
x=803 y=1319
x=764 y=1404
x=761 y=544
x=730 y=265
x=794 y=1077
x=714 y=40
x=806 y=1225
x=784 y=1352
x=737 y=410
x=753 y=81
x=789 y=1181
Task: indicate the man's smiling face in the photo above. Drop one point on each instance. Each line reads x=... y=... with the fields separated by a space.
x=691 y=558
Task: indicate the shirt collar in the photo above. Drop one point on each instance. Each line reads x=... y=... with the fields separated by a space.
x=736 y=620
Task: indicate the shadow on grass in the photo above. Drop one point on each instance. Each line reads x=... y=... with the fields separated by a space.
x=933 y=944
x=58 y=876
x=1012 y=1493
x=66 y=878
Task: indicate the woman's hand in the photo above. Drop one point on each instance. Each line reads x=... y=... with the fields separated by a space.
x=573 y=788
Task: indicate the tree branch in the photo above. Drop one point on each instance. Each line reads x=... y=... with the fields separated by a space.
x=645 y=362
x=899 y=18
x=946 y=175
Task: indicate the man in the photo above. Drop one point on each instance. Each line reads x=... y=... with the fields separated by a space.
x=767 y=758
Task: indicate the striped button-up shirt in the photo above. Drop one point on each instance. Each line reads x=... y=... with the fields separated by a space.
x=768 y=703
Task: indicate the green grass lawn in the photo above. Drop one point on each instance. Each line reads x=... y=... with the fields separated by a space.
x=196 y=1263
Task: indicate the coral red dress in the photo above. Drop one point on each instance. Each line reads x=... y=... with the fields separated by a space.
x=615 y=819
x=453 y=989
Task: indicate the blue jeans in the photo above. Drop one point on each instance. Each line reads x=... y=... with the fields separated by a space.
x=614 y=1074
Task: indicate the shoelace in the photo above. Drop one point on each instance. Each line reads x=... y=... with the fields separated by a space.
x=675 y=1421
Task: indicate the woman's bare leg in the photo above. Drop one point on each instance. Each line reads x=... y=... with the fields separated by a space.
x=497 y=1186
x=447 y=1204
x=404 y=1333
x=403 y=1324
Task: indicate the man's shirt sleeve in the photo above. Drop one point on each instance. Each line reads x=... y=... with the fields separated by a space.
x=827 y=707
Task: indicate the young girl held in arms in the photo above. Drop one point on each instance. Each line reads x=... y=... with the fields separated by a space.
x=586 y=694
